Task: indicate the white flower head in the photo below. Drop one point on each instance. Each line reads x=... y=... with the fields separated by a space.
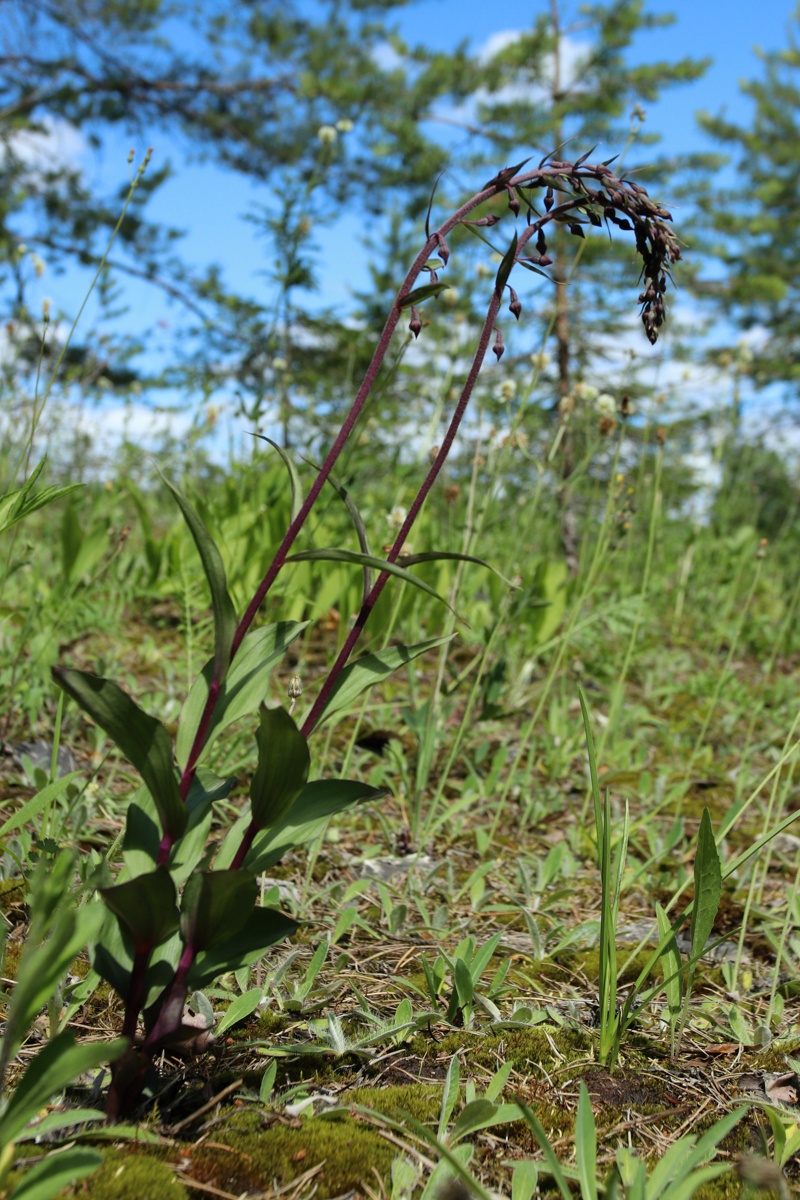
x=327 y=135
x=279 y=364
x=507 y=391
x=586 y=391
x=540 y=360
x=606 y=405
x=397 y=516
x=344 y=125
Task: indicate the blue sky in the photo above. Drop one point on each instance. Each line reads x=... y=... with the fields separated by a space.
x=211 y=204
x=727 y=32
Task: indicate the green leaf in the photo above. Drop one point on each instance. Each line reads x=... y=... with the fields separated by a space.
x=418 y=295
x=410 y=560
x=221 y=603
x=142 y=739
x=215 y=906
x=262 y=929
x=498 y=1081
x=37 y=803
x=283 y=765
x=57 y=1171
x=240 y=1009
x=464 y=985
x=371 y=669
x=452 y=1083
x=16 y=505
x=359 y=526
x=146 y=906
x=707 y=886
x=268 y=1082
x=482 y=1114
x=244 y=688
x=305 y=821
x=671 y=963
x=334 y=554
x=60 y=1062
x=524 y=1180
x=553 y=1165
x=192 y=847
x=483 y=957
x=294 y=478
x=142 y=835
x=504 y=270
x=586 y=1145
x=64 y=1119
x=43 y=967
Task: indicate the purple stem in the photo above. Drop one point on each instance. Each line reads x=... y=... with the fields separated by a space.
x=168 y=1020
x=372 y=599
x=341 y=438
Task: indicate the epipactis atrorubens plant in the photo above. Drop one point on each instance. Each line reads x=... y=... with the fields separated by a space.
x=184 y=912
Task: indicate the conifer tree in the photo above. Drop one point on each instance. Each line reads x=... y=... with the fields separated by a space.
x=754 y=222
x=568 y=85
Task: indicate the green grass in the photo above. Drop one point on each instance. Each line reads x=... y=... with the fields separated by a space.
x=684 y=642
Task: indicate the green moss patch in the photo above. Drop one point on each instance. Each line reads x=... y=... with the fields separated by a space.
x=247 y=1154
x=132 y=1177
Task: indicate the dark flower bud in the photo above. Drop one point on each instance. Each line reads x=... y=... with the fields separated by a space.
x=576 y=230
x=541 y=242
x=415 y=325
x=545 y=260
x=489 y=220
x=549 y=199
x=444 y=249
x=499 y=347
x=514 y=306
x=513 y=202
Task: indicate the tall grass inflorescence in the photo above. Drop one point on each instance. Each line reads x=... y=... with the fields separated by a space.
x=180 y=914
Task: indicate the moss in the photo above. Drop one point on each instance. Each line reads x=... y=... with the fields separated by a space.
x=12 y=953
x=248 y=1156
x=773 y=1059
x=131 y=1177
x=587 y=963
x=422 y=1101
x=519 y=1046
x=267 y=1024
x=12 y=893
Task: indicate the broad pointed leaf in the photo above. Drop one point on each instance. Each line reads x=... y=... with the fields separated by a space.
x=371 y=669
x=707 y=885
x=221 y=603
x=244 y=688
x=262 y=929
x=422 y=293
x=504 y=270
x=215 y=906
x=283 y=765
x=142 y=739
x=146 y=906
x=335 y=554
x=305 y=820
